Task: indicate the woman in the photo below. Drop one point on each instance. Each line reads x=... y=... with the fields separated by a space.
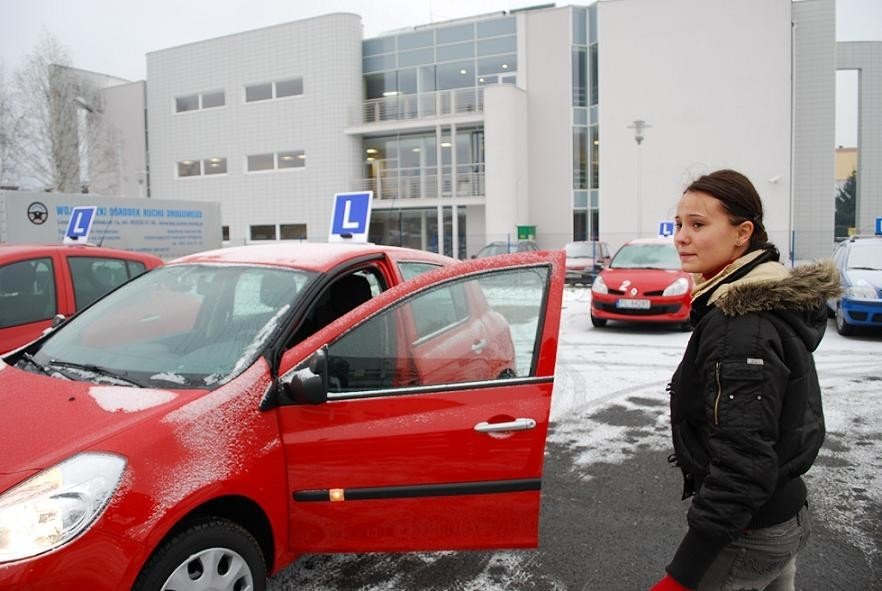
x=746 y=410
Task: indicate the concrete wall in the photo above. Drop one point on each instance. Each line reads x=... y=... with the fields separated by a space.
x=712 y=79
x=125 y=108
x=814 y=124
x=326 y=52
x=507 y=167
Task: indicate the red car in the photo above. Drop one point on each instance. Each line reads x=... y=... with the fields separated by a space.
x=39 y=281
x=643 y=283
x=206 y=423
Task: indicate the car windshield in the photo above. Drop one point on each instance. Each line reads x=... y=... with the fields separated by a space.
x=184 y=326
x=867 y=256
x=646 y=256
x=582 y=250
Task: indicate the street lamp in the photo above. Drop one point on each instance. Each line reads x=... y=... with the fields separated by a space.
x=638 y=126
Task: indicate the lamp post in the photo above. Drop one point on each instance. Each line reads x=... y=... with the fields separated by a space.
x=639 y=125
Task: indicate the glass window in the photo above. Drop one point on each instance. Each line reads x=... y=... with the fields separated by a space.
x=94 y=277
x=595 y=157
x=580 y=77
x=435 y=331
x=409 y=270
x=427 y=79
x=258 y=92
x=263 y=232
x=291 y=87
x=187 y=103
x=580 y=225
x=592 y=58
x=189 y=168
x=215 y=165
x=580 y=199
x=455 y=34
x=292 y=159
x=580 y=157
x=213 y=99
x=407 y=81
x=225 y=233
x=380 y=85
x=497 y=45
x=292 y=231
x=580 y=35
x=497 y=64
x=260 y=162
x=27 y=292
x=580 y=116
x=592 y=23
x=415 y=40
x=455 y=75
x=501 y=26
x=416 y=58
x=459 y=51
x=378 y=45
x=379 y=62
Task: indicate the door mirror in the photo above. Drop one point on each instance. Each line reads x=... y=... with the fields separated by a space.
x=308 y=383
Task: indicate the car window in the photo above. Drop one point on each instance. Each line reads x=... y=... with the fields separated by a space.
x=93 y=277
x=646 y=256
x=135 y=268
x=27 y=292
x=411 y=269
x=473 y=329
x=188 y=325
x=865 y=256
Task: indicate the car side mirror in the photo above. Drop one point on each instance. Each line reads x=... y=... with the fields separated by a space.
x=58 y=320
x=308 y=383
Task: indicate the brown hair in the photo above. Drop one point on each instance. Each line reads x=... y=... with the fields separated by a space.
x=739 y=198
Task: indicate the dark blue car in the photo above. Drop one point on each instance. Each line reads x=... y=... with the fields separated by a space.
x=859 y=260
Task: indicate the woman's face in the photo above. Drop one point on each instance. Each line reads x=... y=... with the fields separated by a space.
x=706 y=239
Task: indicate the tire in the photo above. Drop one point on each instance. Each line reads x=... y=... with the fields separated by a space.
x=179 y=564
x=598 y=322
x=842 y=325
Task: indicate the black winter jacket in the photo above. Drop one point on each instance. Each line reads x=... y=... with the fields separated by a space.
x=746 y=411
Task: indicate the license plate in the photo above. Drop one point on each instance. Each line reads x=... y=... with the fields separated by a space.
x=633 y=304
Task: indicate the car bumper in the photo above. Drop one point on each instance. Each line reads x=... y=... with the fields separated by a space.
x=585 y=277
x=862 y=312
x=95 y=561
x=673 y=309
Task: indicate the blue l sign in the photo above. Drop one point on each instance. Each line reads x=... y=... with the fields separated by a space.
x=79 y=225
x=665 y=229
x=350 y=217
x=878 y=226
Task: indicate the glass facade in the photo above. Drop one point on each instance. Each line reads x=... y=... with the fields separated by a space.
x=586 y=136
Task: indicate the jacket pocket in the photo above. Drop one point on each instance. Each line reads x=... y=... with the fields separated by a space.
x=739 y=397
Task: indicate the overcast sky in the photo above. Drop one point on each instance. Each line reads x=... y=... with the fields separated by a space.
x=113 y=36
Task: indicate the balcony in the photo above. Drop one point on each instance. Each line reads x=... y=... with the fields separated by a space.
x=409 y=107
x=426 y=183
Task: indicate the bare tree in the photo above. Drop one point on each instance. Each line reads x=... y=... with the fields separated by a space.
x=61 y=139
x=9 y=123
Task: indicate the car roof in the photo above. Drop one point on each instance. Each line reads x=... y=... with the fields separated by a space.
x=311 y=256
x=651 y=241
x=14 y=250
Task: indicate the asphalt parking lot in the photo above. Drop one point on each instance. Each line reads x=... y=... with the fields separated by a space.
x=611 y=512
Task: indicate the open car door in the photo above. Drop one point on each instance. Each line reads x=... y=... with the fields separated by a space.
x=418 y=420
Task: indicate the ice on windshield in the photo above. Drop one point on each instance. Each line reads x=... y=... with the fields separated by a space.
x=181 y=326
x=646 y=256
x=866 y=257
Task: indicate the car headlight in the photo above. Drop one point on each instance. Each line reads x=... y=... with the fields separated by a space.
x=861 y=291
x=678 y=287
x=599 y=286
x=56 y=505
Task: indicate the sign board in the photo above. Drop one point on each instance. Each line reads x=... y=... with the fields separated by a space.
x=665 y=229
x=350 y=217
x=79 y=225
x=878 y=226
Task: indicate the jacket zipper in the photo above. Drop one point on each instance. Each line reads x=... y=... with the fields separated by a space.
x=719 y=394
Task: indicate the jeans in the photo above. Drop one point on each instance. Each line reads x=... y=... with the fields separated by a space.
x=761 y=559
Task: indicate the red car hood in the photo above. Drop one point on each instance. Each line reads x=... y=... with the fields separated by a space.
x=643 y=279
x=46 y=420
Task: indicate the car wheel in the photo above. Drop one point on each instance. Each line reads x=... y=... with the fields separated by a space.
x=842 y=325
x=209 y=554
x=598 y=322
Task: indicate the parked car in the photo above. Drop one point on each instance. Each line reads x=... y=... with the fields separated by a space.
x=503 y=247
x=585 y=259
x=643 y=283
x=209 y=421
x=859 y=260
x=39 y=281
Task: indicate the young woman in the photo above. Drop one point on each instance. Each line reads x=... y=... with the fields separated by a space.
x=746 y=410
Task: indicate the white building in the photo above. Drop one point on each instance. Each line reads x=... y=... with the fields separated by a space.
x=468 y=130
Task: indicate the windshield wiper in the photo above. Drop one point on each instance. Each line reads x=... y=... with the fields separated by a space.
x=864 y=269
x=43 y=369
x=95 y=369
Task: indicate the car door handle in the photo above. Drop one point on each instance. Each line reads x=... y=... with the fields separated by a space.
x=515 y=425
x=478 y=346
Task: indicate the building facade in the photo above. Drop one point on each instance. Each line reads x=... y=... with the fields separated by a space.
x=520 y=122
